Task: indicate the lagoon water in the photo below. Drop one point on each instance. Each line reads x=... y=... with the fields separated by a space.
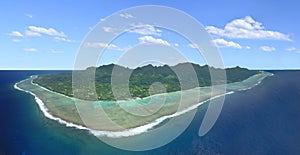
x=261 y=120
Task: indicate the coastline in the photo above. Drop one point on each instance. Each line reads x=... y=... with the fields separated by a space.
x=46 y=112
x=127 y=132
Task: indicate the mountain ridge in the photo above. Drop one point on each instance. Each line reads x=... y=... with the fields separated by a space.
x=142 y=78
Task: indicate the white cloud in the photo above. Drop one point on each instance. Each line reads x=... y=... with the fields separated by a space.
x=95 y=44
x=193 y=45
x=32 y=34
x=221 y=43
x=61 y=39
x=246 y=28
x=108 y=29
x=176 y=45
x=145 y=29
x=267 y=48
x=105 y=45
x=42 y=30
x=291 y=49
x=55 y=51
x=126 y=15
x=34 y=31
x=29 y=15
x=16 y=34
x=30 y=49
x=248 y=47
x=142 y=29
x=16 y=40
x=151 y=40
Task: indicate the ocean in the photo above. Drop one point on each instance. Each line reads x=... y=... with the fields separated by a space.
x=261 y=120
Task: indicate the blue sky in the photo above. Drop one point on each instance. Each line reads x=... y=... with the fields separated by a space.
x=255 y=34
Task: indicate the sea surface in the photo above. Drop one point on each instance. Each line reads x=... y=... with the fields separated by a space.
x=261 y=120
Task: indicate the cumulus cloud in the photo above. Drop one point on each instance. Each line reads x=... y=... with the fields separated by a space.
x=267 y=48
x=35 y=31
x=48 y=31
x=221 y=43
x=16 y=34
x=246 y=28
x=30 y=49
x=96 y=44
x=126 y=15
x=151 y=40
x=145 y=29
x=32 y=34
x=142 y=29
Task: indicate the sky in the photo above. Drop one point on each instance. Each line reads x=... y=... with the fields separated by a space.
x=257 y=34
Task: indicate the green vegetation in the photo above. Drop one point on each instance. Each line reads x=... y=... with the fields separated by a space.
x=140 y=80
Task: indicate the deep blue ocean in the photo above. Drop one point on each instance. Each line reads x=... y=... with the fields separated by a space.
x=262 y=120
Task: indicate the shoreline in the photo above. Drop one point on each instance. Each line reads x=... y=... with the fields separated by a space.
x=46 y=112
x=124 y=133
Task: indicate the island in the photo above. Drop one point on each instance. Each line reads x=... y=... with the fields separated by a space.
x=102 y=111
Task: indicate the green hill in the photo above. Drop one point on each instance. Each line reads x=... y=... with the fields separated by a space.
x=140 y=80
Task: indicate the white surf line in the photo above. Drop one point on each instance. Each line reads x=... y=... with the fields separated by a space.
x=147 y=127
x=46 y=112
x=256 y=84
